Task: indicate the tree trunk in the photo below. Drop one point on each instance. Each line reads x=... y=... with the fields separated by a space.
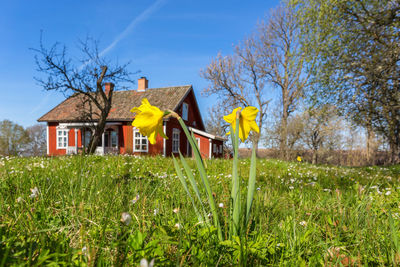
x=283 y=144
x=370 y=144
x=314 y=157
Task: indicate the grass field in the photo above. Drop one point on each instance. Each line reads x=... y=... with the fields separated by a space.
x=67 y=211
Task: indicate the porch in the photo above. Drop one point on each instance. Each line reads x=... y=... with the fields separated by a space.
x=109 y=143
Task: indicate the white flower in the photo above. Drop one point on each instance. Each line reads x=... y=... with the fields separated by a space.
x=135 y=199
x=84 y=251
x=388 y=193
x=19 y=199
x=303 y=223
x=126 y=218
x=327 y=190
x=145 y=263
x=221 y=205
x=291 y=187
x=35 y=192
x=178 y=225
x=176 y=210
x=155 y=212
x=258 y=188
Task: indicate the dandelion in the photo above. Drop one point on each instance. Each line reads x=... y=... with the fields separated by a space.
x=35 y=192
x=149 y=121
x=126 y=218
x=246 y=121
x=221 y=205
x=298 y=158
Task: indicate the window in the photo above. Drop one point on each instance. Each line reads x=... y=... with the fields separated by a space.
x=62 y=138
x=110 y=138
x=86 y=137
x=139 y=142
x=220 y=149
x=175 y=140
x=185 y=109
x=215 y=148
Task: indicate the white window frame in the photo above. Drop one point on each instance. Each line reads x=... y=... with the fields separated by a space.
x=64 y=134
x=185 y=111
x=175 y=140
x=141 y=138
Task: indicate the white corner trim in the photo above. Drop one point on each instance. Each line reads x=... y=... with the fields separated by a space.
x=164 y=141
x=47 y=140
x=210 y=149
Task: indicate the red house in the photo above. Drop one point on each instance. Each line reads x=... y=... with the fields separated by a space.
x=67 y=134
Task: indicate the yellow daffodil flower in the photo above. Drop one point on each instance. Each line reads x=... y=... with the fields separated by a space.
x=149 y=120
x=298 y=158
x=246 y=121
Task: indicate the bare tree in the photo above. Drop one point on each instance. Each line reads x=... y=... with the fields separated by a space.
x=321 y=127
x=84 y=78
x=284 y=63
x=37 y=140
x=238 y=80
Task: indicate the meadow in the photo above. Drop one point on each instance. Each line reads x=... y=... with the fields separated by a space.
x=67 y=211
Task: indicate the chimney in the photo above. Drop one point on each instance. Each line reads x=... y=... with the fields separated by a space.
x=108 y=87
x=143 y=84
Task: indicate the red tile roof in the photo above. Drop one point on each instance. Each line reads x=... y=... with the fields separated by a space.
x=123 y=101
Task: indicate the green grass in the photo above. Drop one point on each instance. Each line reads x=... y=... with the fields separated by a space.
x=302 y=214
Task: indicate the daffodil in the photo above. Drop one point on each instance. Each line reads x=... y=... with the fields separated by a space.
x=149 y=120
x=298 y=158
x=246 y=121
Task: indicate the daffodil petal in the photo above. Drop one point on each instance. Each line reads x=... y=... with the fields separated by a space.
x=254 y=126
x=250 y=113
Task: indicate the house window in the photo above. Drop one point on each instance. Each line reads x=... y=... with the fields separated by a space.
x=215 y=148
x=140 y=143
x=175 y=140
x=220 y=149
x=62 y=138
x=185 y=109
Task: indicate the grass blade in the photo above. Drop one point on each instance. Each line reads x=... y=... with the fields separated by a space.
x=183 y=181
x=235 y=194
x=203 y=175
x=192 y=181
x=251 y=186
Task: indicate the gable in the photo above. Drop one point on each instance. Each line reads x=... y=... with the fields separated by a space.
x=194 y=116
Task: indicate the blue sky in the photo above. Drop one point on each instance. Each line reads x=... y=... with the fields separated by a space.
x=168 y=41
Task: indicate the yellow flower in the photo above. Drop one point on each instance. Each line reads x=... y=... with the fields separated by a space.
x=298 y=158
x=149 y=120
x=246 y=121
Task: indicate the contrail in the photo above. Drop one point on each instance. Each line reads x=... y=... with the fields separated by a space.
x=135 y=22
x=143 y=16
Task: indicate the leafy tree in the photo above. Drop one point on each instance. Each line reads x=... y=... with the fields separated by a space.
x=357 y=44
x=84 y=78
x=13 y=138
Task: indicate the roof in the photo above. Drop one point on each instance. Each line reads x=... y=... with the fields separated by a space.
x=122 y=103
